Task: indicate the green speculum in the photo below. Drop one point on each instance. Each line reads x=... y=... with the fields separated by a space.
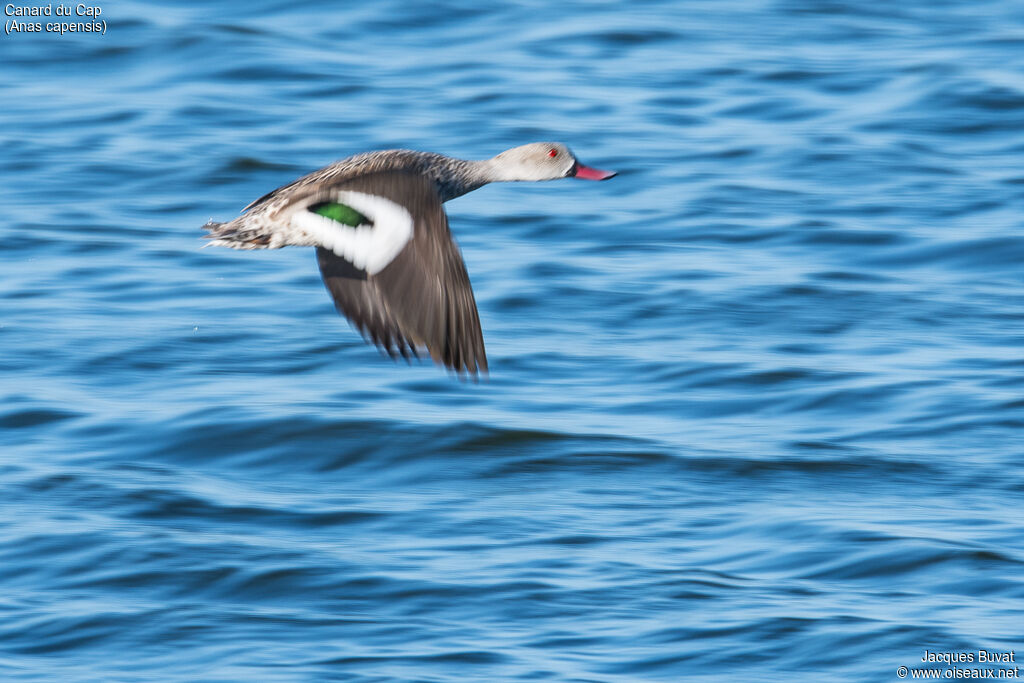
x=340 y=213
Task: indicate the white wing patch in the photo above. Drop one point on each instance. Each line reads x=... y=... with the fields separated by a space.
x=368 y=247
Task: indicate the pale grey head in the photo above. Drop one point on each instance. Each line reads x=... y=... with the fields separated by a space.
x=541 y=161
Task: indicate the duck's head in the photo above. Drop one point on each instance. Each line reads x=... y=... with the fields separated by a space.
x=543 y=161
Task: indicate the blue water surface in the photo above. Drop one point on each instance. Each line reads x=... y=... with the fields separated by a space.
x=755 y=405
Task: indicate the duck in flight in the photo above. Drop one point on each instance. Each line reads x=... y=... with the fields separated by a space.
x=383 y=244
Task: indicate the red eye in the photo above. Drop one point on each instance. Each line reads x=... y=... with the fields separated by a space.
x=552 y=153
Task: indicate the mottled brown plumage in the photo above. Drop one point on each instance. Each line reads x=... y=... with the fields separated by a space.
x=422 y=299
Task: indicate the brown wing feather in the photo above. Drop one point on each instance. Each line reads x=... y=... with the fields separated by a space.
x=421 y=299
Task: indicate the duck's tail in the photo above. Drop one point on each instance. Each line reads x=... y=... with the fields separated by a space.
x=237 y=235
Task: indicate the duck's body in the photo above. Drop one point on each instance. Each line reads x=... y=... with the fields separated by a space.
x=383 y=244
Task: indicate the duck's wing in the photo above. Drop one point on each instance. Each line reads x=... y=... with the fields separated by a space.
x=399 y=276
